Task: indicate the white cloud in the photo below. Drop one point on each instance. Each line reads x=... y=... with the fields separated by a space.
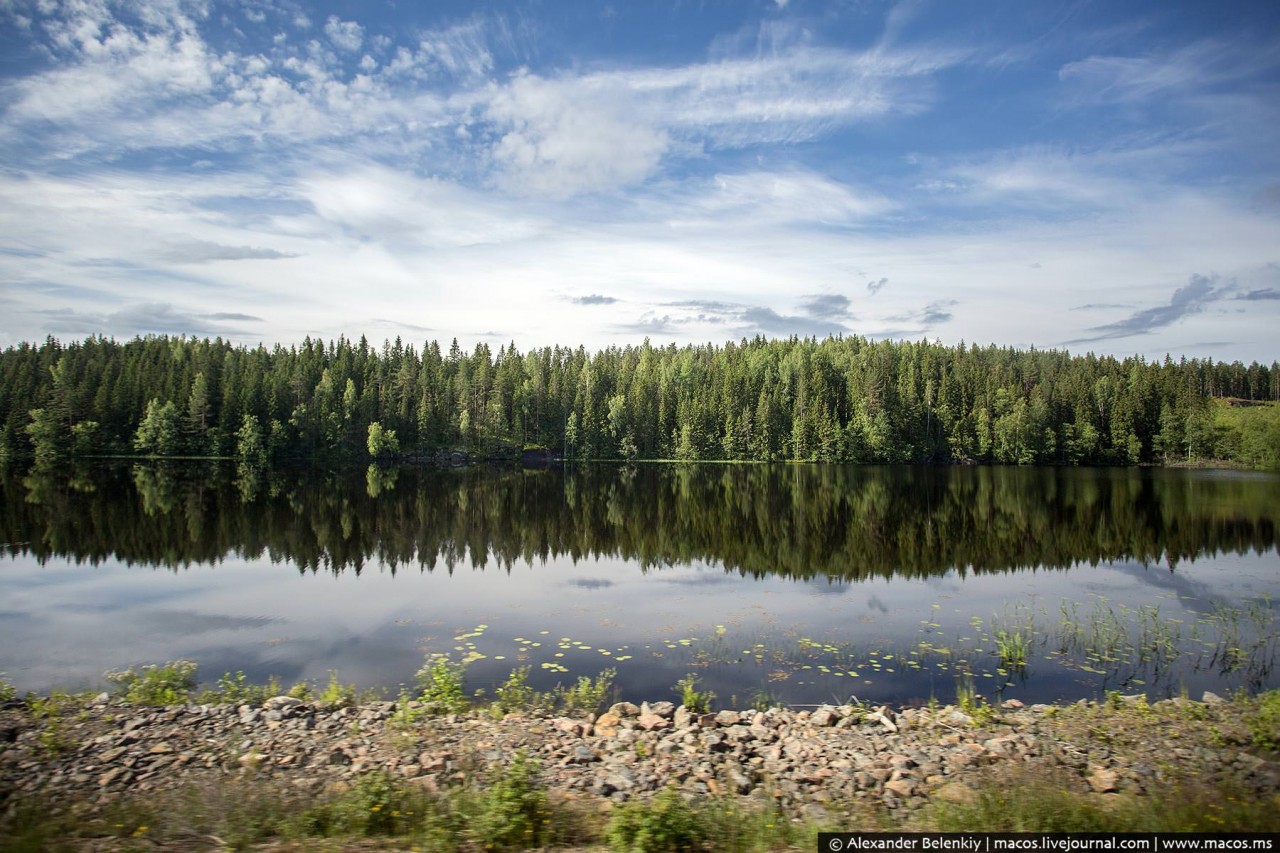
x=560 y=138
x=344 y=35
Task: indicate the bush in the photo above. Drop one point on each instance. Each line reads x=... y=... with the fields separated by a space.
x=1264 y=726
x=440 y=682
x=514 y=812
x=666 y=824
x=588 y=694
x=167 y=684
x=515 y=694
x=691 y=697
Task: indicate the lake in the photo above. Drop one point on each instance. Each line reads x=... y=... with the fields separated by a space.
x=792 y=583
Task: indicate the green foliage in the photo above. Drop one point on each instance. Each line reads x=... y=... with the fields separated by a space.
x=382 y=442
x=665 y=824
x=156 y=684
x=47 y=436
x=514 y=812
x=250 y=446
x=236 y=689
x=969 y=700
x=158 y=433
x=1264 y=722
x=440 y=687
x=1023 y=803
x=586 y=695
x=515 y=694
x=336 y=694
x=7 y=691
x=1012 y=646
x=697 y=701
x=51 y=711
x=843 y=399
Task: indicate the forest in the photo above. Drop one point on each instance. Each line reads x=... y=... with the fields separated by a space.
x=840 y=399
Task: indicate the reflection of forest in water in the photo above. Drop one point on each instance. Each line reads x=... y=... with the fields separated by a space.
x=843 y=522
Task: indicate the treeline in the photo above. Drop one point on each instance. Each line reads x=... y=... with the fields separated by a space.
x=843 y=399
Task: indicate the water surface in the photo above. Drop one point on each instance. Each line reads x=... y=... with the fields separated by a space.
x=793 y=583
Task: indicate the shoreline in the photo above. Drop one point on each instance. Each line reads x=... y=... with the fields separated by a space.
x=824 y=767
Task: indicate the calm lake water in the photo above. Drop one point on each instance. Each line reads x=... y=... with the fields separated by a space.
x=794 y=583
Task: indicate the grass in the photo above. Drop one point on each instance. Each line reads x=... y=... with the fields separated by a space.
x=697 y=701
x=156 y=684
x=509 y=809
x=1025 y=802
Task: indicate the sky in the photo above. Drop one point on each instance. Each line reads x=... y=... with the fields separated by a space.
x=1088 y=176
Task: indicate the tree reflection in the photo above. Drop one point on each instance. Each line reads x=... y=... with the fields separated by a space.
x=799 y=521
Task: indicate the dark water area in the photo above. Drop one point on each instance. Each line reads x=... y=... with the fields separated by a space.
x=792 y=583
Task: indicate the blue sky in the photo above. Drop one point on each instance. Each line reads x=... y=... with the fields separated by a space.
x=1090 y=176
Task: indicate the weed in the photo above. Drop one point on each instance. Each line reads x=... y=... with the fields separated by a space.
x=697 y=701
x=336 y=694
x=235 y=689
x=1012 y=647
x=7 y=691
x=440 y=684
x=514 y=812
x=1264 y=725
x=665 y=823
x=167 y=684
x=587 y=695
x=515 y=694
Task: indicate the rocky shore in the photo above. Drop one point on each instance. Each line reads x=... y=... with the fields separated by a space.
x=815 y=763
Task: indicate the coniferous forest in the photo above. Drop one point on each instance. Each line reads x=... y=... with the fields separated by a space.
x=845 y=399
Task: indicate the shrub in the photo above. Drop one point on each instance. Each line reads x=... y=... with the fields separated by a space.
x=1264 y=726
x=588 y=694
x=166 y=684
x=514 y=812
x=336 y=694
x=666 y=824
x=440 y=682
x=697 y=701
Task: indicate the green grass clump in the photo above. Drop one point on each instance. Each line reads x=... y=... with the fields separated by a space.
x=156 y=684
x=670 y=823
x=7 y=691
x=440 y=685
x=516 y=694
x=697 y=701
x=1048 y=805
x=587 y=694
x=1264 y=724
x=665 y=824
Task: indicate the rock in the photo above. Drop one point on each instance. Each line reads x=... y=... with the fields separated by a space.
x=607 y=724
x=958 y=718
x=883 y=719
x=902 y=787
x=956 y=792
x=1103 y=781
x=727 y=718
x=661 y=709
x=280 y=703
x=650 y=722
x=112 y=776
x=1212 y=699
x=683 y=718
x=624 y=709
x=823 y=717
